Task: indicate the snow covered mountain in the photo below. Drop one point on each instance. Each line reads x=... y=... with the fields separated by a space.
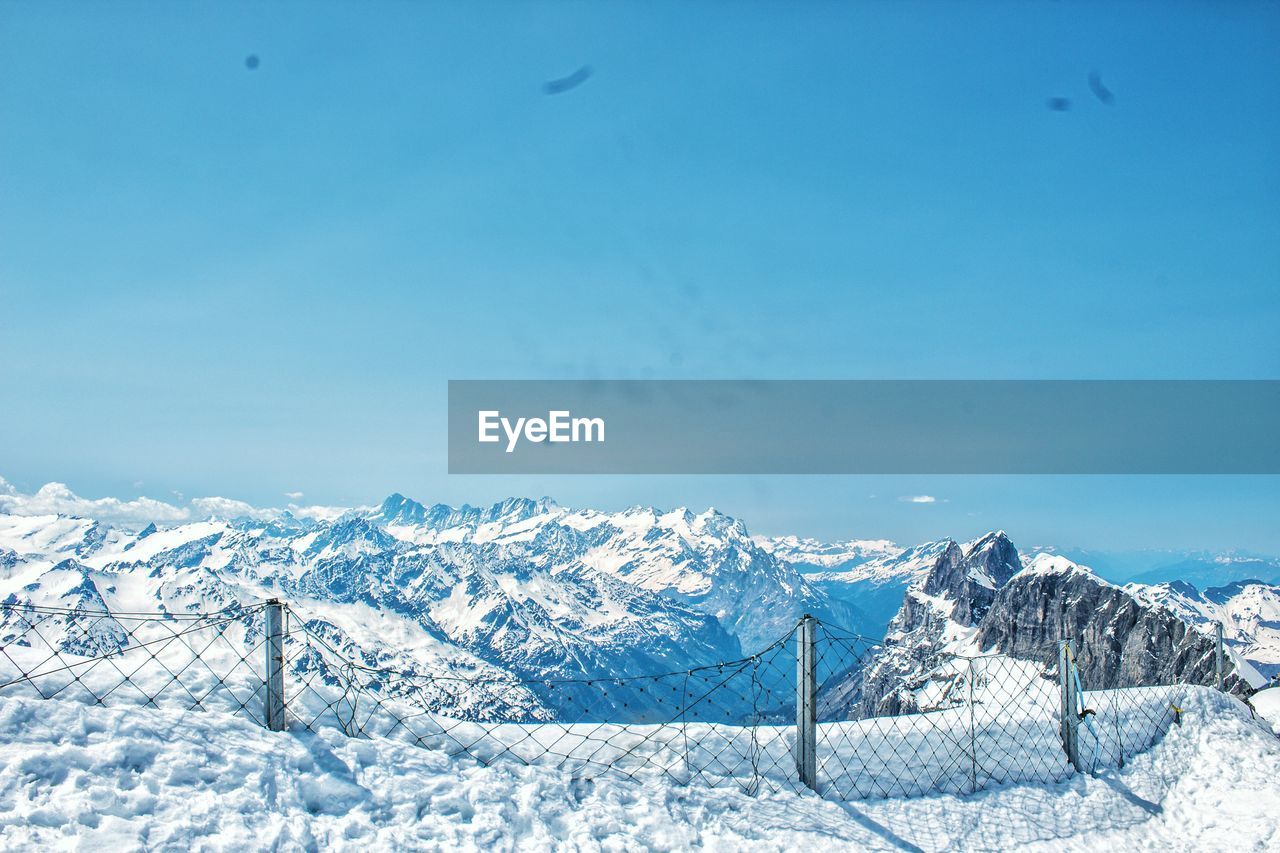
x=951 y=588
x=1248 y=610
x=978 y=601
x=980 y=598
x=812 y=555
x=1121 y=639
x=706 y=561
x=522 y=589
x=983 y=596
x=877 y=586
x=526 y=589
x=1202 y=569
x=1206 y=570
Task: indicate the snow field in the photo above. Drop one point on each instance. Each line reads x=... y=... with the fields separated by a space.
x=1267 y=704
x=1006 y=730
x=74 y=777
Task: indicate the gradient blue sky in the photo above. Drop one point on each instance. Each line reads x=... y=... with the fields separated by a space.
x=218 y=280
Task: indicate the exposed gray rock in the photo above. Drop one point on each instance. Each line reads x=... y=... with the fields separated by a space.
x=958 y=590
x=971 y=577
x=1118 y=641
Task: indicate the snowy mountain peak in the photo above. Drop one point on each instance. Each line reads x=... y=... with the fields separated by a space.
x=406 y=512
x=397 y=509
x=969 y=576
x=679 y=515
x=716 y=523
x=519 y=509
x=350 y=535
x=992 y=559
x=987 y=541
x=149 y=530
x=1051 y=564
x=815 y=555
x=976 y=600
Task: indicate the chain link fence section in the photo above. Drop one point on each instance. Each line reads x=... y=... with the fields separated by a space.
x=788 y=718
x=1115 y=723
x=974 y=722
x=1123 y=722
x=200 y=661
x=726 y=724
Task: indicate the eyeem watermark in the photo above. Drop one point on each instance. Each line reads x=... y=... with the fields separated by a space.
x=865 y=427
x=557 y=427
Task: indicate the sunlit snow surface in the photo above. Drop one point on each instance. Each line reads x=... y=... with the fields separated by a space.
x=1267 y=704
x=78 y=776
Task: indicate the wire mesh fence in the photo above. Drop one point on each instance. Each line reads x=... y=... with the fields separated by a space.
x=974 y=722
x=204 y=661
x=1124 y=719
x=725 y=724
x=958 y=724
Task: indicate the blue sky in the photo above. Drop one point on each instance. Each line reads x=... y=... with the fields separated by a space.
x=219 y=280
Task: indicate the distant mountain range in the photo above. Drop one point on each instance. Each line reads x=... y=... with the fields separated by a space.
x=1201 y=568
x=526 y=589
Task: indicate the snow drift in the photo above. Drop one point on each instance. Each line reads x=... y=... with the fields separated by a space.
x=77 y=776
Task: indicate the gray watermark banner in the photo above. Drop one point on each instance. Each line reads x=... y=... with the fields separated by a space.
x=864 y=427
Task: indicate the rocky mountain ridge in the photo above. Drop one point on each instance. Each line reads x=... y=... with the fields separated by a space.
x=980 y=599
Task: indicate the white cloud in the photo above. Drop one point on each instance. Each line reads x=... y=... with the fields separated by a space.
x=293 y=496
x=58 y=499
x=318 y=513
x=225 y=509
x=918 y=499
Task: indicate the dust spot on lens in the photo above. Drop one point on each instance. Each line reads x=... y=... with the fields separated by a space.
x=564 y=84
x=251 y=61
x=1059 y=105
x=1100 y=91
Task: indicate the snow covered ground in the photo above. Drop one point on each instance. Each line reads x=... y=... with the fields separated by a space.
x=74 y=776
x=1267 y=704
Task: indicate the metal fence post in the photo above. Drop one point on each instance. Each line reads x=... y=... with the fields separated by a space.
x=1069 y=721
x=807 y=702
x=973 y=734
x=1218 y=667
x=275 y=665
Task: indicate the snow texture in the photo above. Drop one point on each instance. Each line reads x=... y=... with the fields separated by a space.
x=73 y=776
x=1267 y=704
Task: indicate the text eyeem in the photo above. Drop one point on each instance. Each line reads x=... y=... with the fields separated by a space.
x=558 y=426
